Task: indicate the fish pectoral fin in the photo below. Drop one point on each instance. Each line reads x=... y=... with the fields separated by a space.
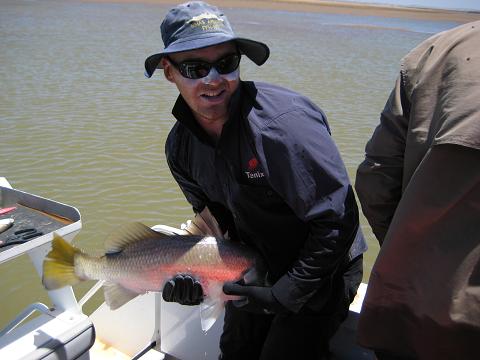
x=116 y=295
x=211 y=307
x=210 y=310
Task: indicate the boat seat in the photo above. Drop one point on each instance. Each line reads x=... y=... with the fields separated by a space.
x=50 y=337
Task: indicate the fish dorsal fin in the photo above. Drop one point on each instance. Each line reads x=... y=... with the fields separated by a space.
x=204 y=223
x=129 y=234
x=116 y=295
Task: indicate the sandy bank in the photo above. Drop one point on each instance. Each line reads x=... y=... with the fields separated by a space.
x=331 y=7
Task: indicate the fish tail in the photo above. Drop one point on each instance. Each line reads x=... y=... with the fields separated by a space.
x=59 y=265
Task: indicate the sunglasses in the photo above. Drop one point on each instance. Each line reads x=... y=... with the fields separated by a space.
x=196 y=69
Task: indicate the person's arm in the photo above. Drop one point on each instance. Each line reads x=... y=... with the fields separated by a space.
x=325 y=250
x=308 y=172
x=379 y=176
x=195 y=195
x=192 y=191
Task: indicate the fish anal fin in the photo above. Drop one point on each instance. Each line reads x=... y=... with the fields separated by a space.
x=116 y=295
x=129 y=234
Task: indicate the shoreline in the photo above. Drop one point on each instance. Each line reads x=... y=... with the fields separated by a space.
x=331 y=7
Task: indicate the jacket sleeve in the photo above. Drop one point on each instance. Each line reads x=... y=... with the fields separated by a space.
x=306 y=169
x=178 y=167
x=379 y=176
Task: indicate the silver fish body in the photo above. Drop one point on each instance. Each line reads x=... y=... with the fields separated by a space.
x=147 y=264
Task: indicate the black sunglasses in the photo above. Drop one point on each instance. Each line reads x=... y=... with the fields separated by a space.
x=196 y=69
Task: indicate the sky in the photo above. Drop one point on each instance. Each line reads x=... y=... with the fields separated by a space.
x=441 y=4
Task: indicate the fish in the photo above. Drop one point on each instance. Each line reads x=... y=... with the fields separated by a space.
x=5 y=224
x=139 y=260
x=204 y=16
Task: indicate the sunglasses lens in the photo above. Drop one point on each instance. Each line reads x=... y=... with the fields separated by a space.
x=194 y=70
x=228 y=64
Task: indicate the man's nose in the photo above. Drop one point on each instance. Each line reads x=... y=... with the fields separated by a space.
x=212 y=77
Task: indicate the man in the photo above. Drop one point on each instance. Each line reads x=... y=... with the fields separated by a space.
x=420 y=190
x=262 y=160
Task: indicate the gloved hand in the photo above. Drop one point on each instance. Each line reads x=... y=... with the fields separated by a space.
x=257 y=299
x=183 y=289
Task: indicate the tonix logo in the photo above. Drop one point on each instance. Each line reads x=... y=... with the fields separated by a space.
x=252 y=172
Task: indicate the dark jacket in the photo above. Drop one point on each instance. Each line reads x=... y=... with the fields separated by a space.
x=274 y=180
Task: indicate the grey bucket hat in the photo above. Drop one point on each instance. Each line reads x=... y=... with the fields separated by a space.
x=195 y=25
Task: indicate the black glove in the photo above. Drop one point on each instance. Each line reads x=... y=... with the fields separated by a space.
x=257 y=299
x=183 y=289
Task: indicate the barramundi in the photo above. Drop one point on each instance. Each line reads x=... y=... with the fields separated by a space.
x=138 y=260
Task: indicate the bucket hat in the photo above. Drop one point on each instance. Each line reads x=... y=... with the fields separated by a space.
x=195 y=25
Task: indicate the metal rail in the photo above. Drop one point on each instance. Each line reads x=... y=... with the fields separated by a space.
x=29 y=310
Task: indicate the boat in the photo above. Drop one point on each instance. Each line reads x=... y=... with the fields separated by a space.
x=145 y=328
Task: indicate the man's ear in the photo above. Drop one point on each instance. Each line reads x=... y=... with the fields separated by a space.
x=167 y=69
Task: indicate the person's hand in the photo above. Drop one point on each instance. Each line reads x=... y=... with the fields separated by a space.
x=256 y=299
x=183 y=289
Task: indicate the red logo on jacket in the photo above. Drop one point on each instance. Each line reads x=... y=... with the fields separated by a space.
x=252 y=164
x=253 y=172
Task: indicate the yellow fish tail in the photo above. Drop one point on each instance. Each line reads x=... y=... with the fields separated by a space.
x=59 y=266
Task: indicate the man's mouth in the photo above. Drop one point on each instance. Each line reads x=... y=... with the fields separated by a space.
x=213 y=94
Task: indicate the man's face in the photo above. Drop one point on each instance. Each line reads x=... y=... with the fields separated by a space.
x=207 y=97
